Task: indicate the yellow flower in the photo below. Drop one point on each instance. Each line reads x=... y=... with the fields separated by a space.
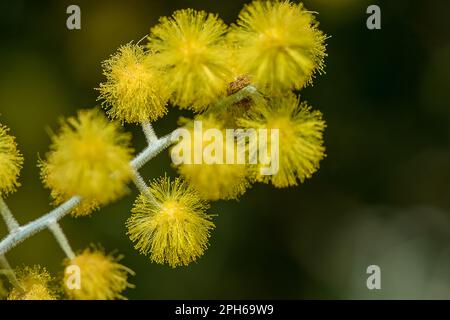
x=134 y=92
x=300 y=138
x=279 y=44
x=102 y=277
x=90 y=158
x=214 y=181
x=35 y=285
x=189 y=47
x=175 y=227
x=10 y=162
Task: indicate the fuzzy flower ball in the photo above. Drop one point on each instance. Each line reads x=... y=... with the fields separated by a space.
x=174 y=227
x=35 y=284
x=300 y=146
x=90 y=158
x=10 y=162
x=214 y=180
x=133 y=92
x=278 y=44
x=190 y=48
x=102 y=277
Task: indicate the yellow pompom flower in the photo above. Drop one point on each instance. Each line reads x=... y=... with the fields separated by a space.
x=214 y=181
x=102 y=277
x=190 y=48
x=134 y=92
x=300 y=145
x=174 y=227
x=35 y=284
x=90 y=158
x=10 y=162
x=279 y=44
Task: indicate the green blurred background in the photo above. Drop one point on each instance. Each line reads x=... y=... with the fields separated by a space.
x=381 y=196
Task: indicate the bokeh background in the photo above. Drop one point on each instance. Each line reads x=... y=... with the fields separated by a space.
x=382 y=195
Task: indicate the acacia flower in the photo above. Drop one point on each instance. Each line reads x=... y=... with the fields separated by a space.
x=102 y=277
x=278 y=44
x=174 y=228
x=10 y=162
x=133 y=92
x=214 y=181
x=300 y=137
x=190 y=48
x=35 y=284
x=90 y=158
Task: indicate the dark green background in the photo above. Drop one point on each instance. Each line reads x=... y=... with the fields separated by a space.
x=381 y=196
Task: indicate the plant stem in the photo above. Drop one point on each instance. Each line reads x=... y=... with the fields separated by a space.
x=149 y=133
x=31 y=228
x=151 y=151
x=61 y=239
x=11 y=222
x=20 y=233
x=142 y=186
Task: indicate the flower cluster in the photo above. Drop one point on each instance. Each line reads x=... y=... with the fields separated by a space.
x=232 y=77
x=90 y=275
x=275 y=47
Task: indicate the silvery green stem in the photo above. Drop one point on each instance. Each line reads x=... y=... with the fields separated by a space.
x=149 y=133
x=151 y=151
x=33 y=227
x=11 y=222
x=9 y=273
x=142 y=186
x=61 y=238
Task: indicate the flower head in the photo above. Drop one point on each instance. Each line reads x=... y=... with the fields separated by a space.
x=89 y=157
x=189 y=47
x=300 y=137
x=279 y=44
x=10 y=162
x=133 y=92
x=214 y=180
x=35 y=284
x=174 y=228
x=102 y=277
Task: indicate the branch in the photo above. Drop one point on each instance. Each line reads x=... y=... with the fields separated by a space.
x=11 y=222
x=149 y=132
x=21 y=233
x=61 y=239
x=26 y=231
